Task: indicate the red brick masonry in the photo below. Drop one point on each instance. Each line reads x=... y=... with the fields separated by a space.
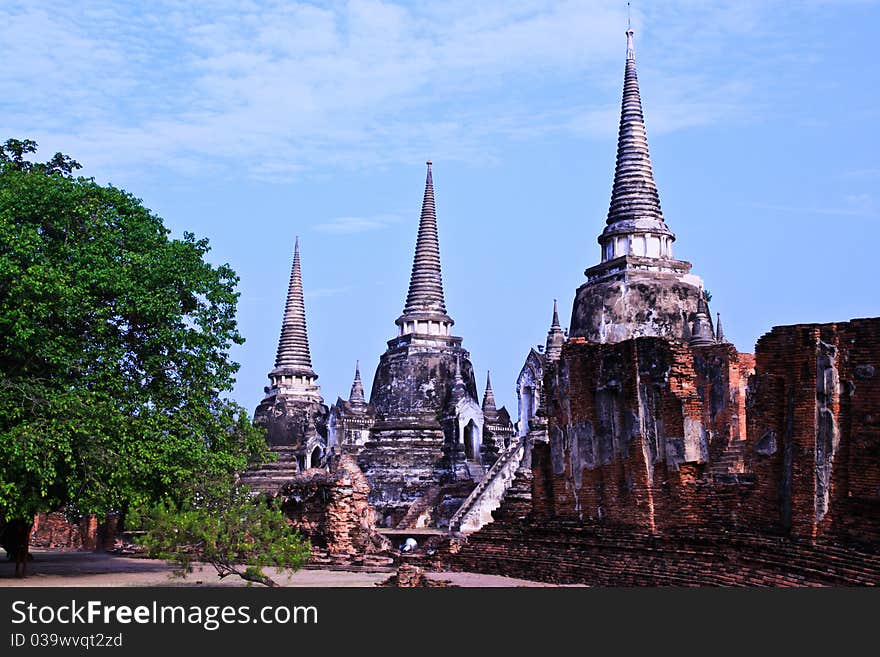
x=668 y=464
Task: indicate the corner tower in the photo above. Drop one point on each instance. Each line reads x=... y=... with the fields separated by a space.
x=638 y=288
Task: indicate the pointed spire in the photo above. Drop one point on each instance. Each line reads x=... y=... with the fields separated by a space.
x=701 y=330
x=293 y=354
x=634 y=195
x=425 y=298
x=489 y=398
x=357 y=388
x=719 y=332
x=459 y=390
x=555 y=337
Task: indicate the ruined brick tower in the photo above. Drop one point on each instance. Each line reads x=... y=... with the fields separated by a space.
x=292 y=411
x=428 y=428
x=638 y=289
x=657 y=453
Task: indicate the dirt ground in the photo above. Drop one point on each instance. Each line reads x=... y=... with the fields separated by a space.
x=87 y=569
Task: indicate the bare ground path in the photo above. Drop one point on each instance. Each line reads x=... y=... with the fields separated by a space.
x=87 y=569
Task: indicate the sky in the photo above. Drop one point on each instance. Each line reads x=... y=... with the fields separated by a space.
x=251 y=123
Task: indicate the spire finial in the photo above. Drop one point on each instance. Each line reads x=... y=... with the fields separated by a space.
x=357 y=388
x=719 y=332
x=489 y=409
x=630 y=50
x=459 y=389
x=634 y=194
x=635 y=204
x=701 y=329
x=425 y=297
x=293 y=347
x=555 y=337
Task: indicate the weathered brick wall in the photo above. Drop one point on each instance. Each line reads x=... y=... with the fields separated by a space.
x=642 y=433
x=566 y=551
x=332 y=510
x=814 y=428
x=672 y=465
x=855 y=511
x=624 y=420
x=56 y=531
x=721 y=377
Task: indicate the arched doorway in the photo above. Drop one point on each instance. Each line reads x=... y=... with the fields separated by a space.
x=316 y=458
x=528 y=409
x=472 y=441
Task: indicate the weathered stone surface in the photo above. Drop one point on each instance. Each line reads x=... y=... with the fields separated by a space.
x=428 y=436
x=564 y=551
x=803 y=511
x=625 y=299
x=291 y=422
x=332 y=509
x=415 y=376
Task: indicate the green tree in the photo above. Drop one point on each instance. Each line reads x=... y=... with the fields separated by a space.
x=114 y=349
x=227 y=527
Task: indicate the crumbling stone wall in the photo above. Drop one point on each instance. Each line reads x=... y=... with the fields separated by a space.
x=565 y=552
x=332 y=509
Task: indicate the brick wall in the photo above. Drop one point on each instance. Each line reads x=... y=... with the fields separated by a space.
x=690 y=460
x=58 y=532
x=332 y=510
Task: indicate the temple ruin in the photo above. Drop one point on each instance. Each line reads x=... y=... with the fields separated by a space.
x=646 y=449
x=424 y=441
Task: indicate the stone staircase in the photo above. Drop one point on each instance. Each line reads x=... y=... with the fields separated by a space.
x=270 y=477
x=477 y=509
x=732 y=459
x=476 y=471
x=421 y=507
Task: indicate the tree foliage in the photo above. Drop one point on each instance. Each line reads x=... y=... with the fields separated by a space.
x=114 y=348
x=227 y=527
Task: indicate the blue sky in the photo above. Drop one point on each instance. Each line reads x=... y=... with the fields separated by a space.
x=252 y=122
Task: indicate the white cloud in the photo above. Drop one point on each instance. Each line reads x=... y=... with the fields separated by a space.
x=352 y=225
x=281 y=89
